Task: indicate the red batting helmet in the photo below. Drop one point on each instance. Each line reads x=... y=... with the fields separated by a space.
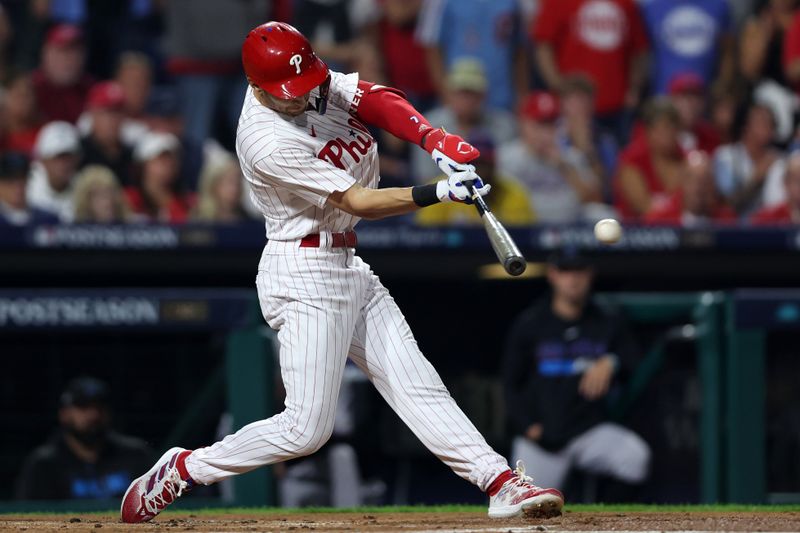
x=280 y=60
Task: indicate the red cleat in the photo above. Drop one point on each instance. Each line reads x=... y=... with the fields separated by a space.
x=154 y=491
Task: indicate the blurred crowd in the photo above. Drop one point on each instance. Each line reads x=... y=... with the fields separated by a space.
x=677 y=112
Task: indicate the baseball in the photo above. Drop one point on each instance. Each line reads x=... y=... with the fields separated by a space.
x=608 y=231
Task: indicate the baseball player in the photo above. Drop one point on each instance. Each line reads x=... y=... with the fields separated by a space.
x=312 y=165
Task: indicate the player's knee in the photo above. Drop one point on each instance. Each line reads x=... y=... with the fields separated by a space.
x=309 y=429
x=636 y=463
x=312 y=434
x=312 y=441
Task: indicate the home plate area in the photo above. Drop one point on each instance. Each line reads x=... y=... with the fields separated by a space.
x=412 y=522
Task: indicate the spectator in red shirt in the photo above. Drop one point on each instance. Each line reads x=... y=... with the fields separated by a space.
x=697 y=203
x=603 y=39
x=652 y=166
x=155 y=195
x=787 y=213
x=688 y=94
x=22 y=118
x=405 y=62
x=61 y=84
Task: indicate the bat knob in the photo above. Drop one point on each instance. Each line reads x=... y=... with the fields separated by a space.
x=515 y=265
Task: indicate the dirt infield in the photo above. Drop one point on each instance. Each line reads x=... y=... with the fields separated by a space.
x=415 y=522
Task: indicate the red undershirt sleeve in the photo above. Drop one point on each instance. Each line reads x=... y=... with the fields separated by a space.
x=388 y=109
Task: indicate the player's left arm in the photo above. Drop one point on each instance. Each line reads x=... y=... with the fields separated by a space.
x=373 y=204
x=388 y=109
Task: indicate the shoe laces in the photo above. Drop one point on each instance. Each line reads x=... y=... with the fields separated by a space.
x=165 y=491
x=521 y=479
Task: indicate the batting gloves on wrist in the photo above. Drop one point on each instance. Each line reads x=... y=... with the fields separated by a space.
x=452 y=155
x=453 y=189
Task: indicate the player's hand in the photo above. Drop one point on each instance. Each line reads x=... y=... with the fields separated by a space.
x=453 y=189
x=450 y=152
x=597 y=378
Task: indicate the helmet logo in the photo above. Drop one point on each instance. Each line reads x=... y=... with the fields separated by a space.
x=296 y=60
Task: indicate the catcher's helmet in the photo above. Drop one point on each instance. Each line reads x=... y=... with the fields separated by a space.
x=279 y=59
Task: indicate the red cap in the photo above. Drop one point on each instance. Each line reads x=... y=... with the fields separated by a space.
x=540 y=106
x=64 y=35
x=687 y=82
x=106 y=95
x=280 y=60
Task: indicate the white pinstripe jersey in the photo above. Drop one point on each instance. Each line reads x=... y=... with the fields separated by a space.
x=294 y=163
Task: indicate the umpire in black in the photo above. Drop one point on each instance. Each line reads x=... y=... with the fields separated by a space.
x=563 y=355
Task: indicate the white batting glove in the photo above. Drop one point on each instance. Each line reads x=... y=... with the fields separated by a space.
x=448 y=165
x=453 y=189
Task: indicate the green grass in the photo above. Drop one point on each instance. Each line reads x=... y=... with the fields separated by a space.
x=578 y=508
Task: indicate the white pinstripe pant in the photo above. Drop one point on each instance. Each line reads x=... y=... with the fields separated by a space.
x=327 y=305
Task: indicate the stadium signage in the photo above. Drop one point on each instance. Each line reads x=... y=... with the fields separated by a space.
x=106 y=237
x=78 y=311
x=378 y=237
x=633 y=238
